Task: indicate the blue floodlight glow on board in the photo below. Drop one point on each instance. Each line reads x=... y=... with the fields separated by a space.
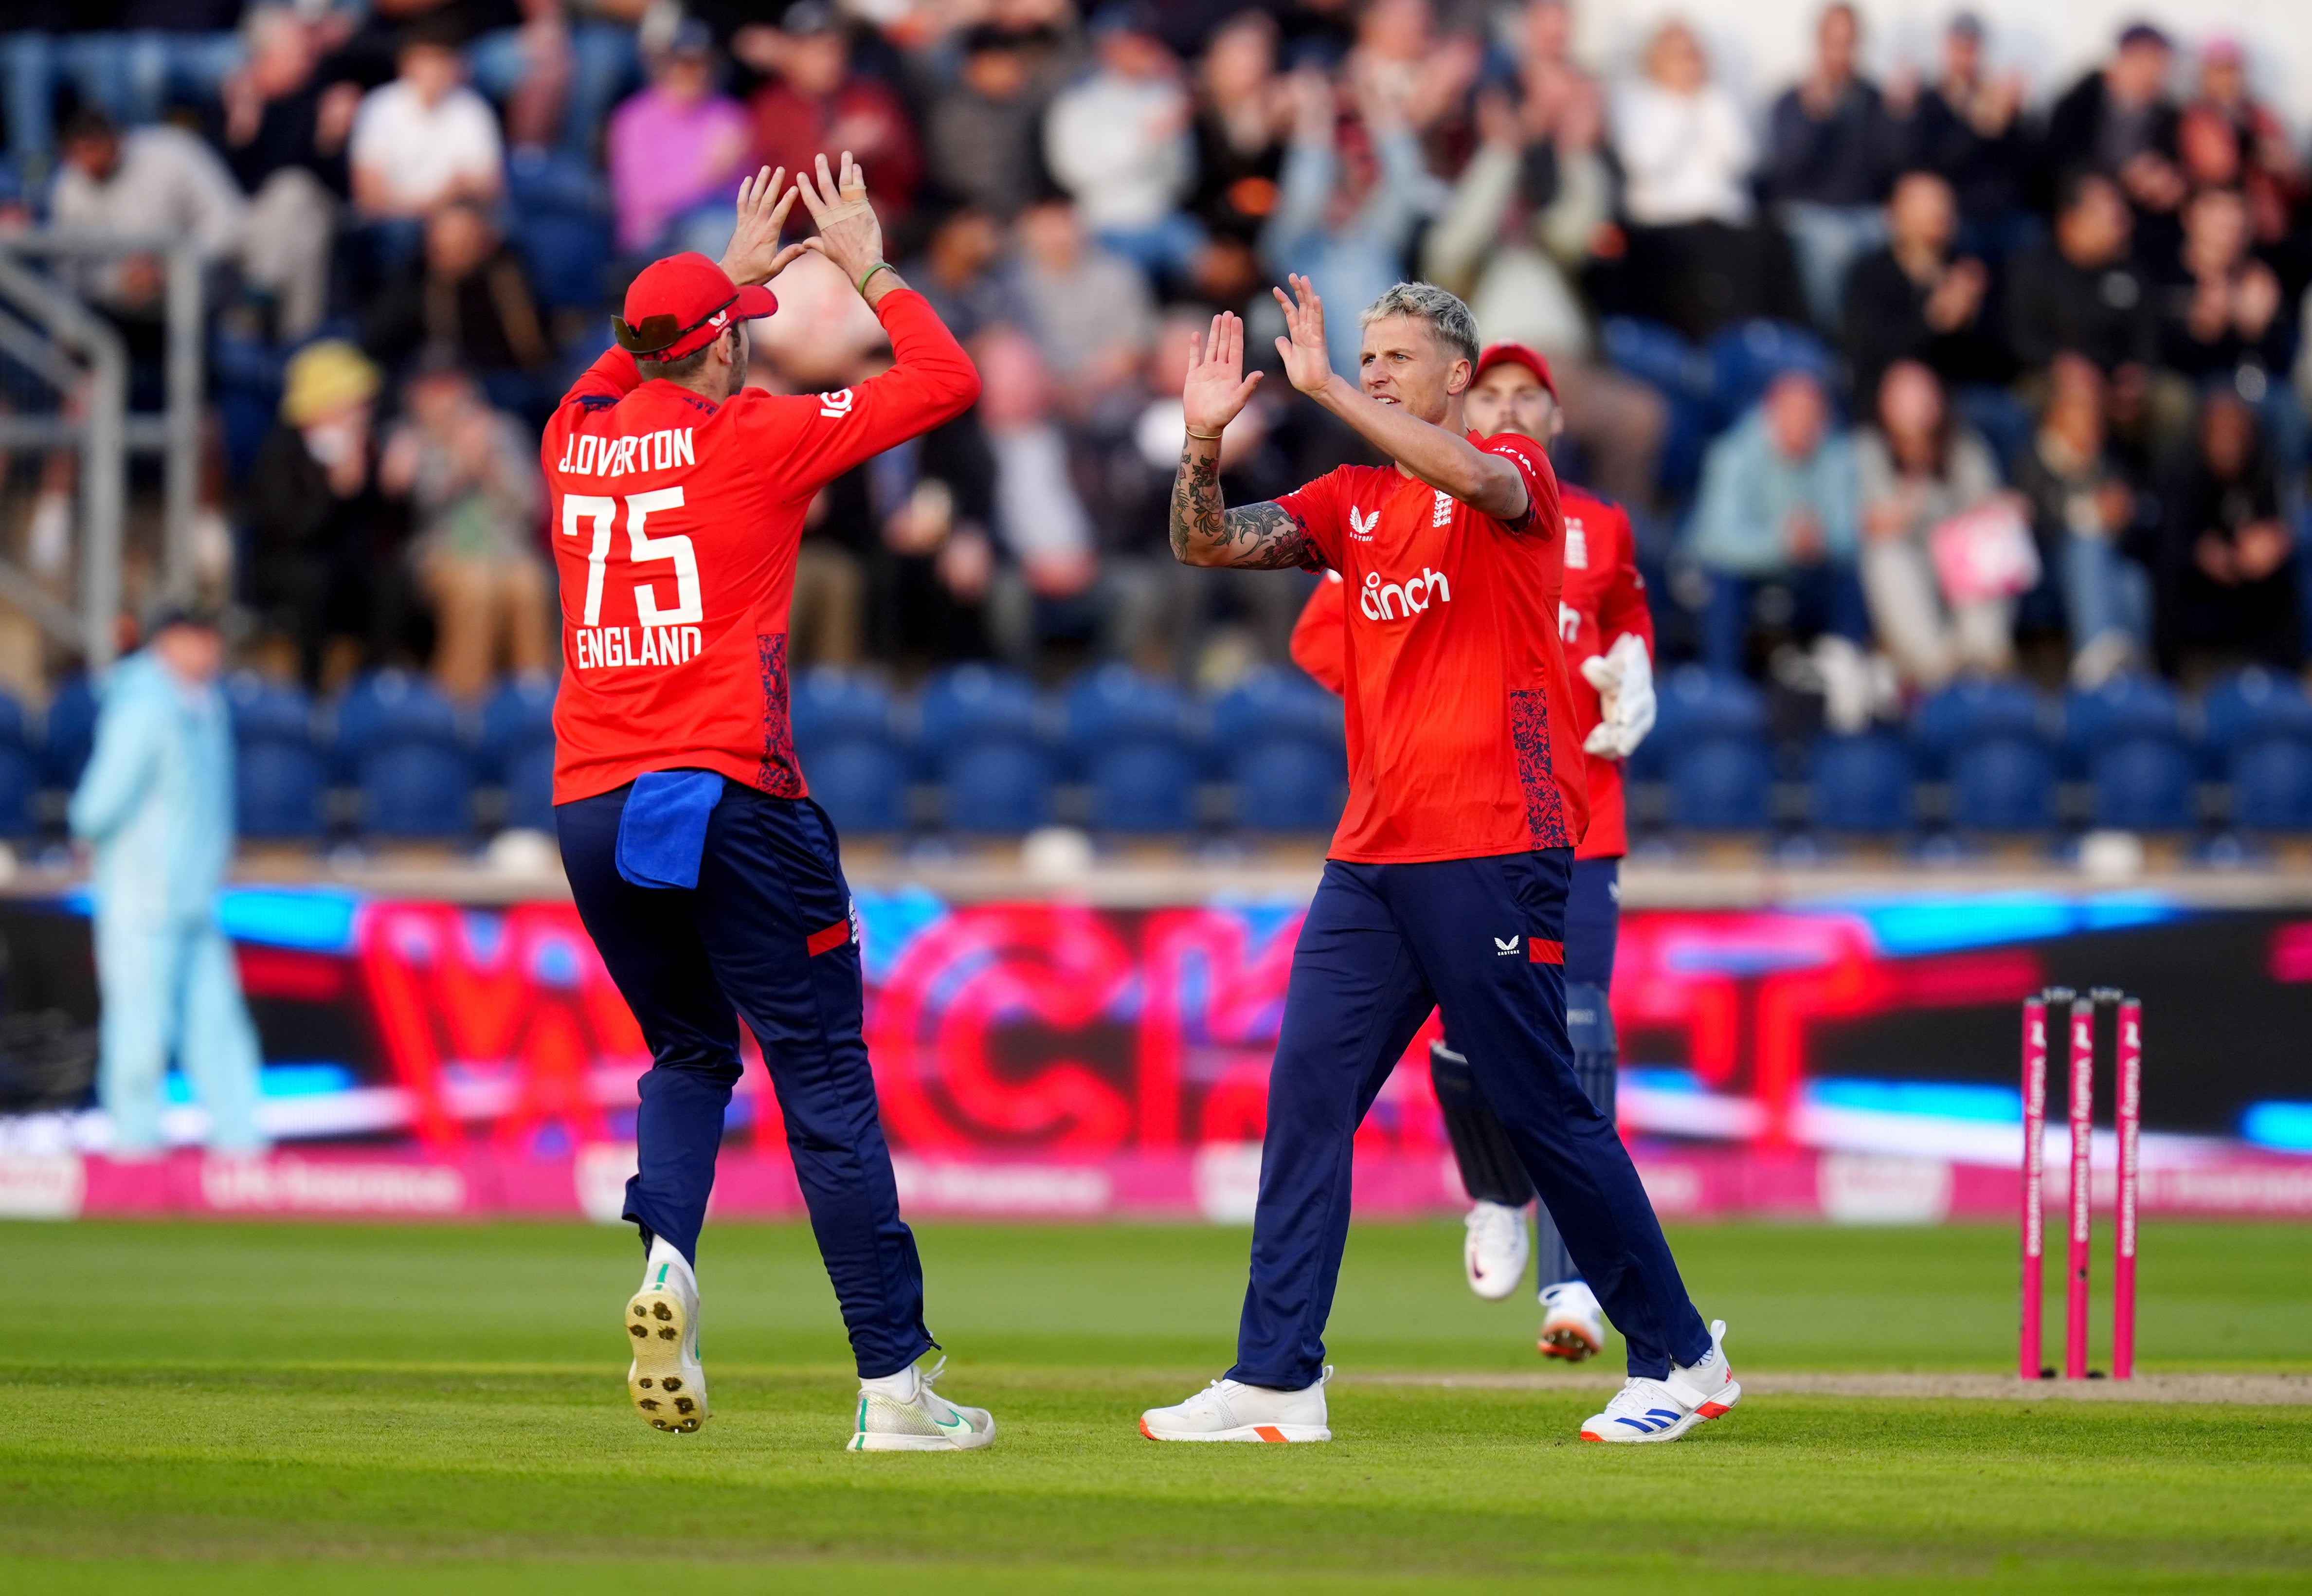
x=2284 y=1127
x=1939 y=1099
x=1940 y=925
x=313 y=920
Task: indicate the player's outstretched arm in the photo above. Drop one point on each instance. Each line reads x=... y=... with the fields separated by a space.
x=1204 y=531
x=1484 y=482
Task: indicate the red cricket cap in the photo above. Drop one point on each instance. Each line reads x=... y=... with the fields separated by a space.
x=680 y=305
x=1531 y=359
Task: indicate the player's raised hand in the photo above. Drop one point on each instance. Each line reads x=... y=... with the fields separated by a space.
x=1305 y=363
x=754 y=255
x=849 y=233
x=1217 y=387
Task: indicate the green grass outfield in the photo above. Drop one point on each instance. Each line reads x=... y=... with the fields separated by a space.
x=250 y=1408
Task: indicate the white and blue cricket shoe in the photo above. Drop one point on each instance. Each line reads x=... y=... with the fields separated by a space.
x=1494 y=1253
x=1666 y=1409
x=902 y=1413
x=1573 y=1323
x=1231 y=1410
x=665 y=1382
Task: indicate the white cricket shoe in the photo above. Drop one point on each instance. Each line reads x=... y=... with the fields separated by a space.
x=1495 y=1252
x=1666 y=1409
x=1572 y=1324
x=666 y=1383
x=901 y=1413
x=1231 y=1410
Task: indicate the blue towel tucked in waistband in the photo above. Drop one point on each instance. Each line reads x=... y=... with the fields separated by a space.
x=663 y=830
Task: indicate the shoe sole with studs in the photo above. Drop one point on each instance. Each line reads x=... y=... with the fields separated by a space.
x=667 y=1393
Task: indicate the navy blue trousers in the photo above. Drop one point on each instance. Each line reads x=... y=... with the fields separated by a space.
x=765 y=934
x=1593 y=923
x=1382 y=946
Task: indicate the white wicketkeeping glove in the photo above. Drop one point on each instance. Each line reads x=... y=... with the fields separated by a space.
x=1624 y=676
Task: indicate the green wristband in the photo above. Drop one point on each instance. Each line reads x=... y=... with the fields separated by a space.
x=868 y=275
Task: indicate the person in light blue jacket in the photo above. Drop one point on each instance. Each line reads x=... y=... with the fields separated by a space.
x=157 y=802
x=1777 y=510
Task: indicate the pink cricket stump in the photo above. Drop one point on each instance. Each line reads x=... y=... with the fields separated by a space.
x=2082 y=1114
x=2128 y=1120
x=2035 y=1153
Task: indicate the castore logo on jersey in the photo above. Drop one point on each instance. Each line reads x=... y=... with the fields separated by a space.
x=1393 y=602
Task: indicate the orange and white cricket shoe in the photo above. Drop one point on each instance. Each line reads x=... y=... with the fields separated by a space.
x=1666 y=1409
x=1572 y=1324
x=1231 y=1410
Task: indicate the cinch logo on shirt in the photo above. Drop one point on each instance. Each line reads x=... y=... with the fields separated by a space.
x=1393 y=602
x=1569 y=623
x=586 y=455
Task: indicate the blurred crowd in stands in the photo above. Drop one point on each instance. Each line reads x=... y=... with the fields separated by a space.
x=1905 y=380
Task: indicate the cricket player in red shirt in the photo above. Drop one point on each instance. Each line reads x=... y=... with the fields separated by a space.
x=1608 y=635
x=1446 y=885
x=703 y=872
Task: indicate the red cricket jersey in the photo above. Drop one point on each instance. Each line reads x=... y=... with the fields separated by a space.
x=1460 y=723
x=1603 y=598
x=675 y=522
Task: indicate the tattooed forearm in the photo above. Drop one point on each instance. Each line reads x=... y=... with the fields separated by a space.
x=1205 y=532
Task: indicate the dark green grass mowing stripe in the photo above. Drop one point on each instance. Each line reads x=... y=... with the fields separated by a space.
x=398 y=1466
x=2213 y=1296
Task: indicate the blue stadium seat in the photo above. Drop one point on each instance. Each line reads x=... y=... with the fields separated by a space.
x=1114 y=704
x=828 y=705
x=1132 y=738
x=1660 y=356
x=1989 y=740
x=1274 y=702
x=516 y=749
x=20 y=771
x=69 y=733
x=2128 y=738
x=279 y=780
x=2126 y=709
x=565 y=255
x=2271 y=785
x=2259 y=738
x=973 y=703
x=1860 y=786
x=1695 y=705
x=2251 y=704
x=1720 y=784
x=1000 y=787
x=1278 y=739
x=2143 y=783
x=1288 y=785
x=862 y=783
x=1144 y=785
x=1973 y=711
x=1746 y=357
x=2002 y=784
x=402 y=742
